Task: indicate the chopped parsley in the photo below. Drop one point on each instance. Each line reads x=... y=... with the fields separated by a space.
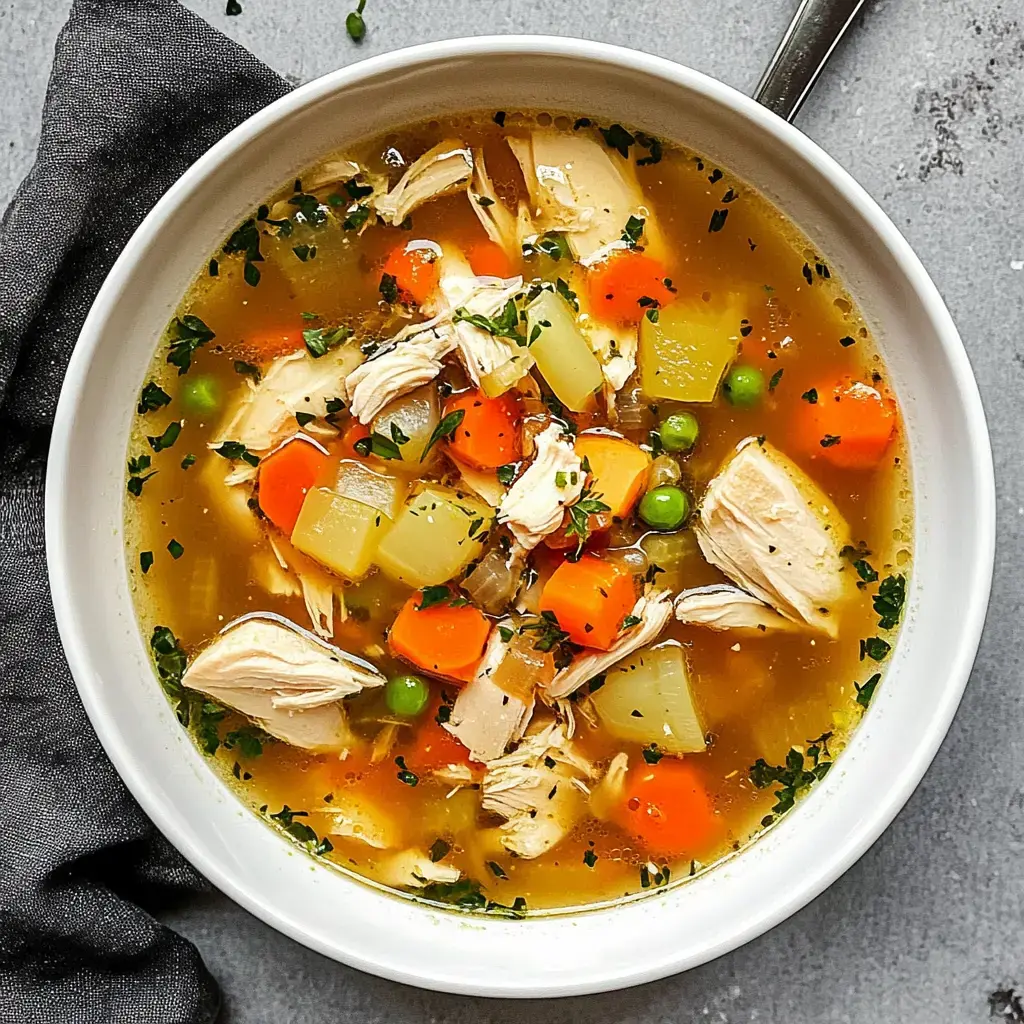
x=188 y=461
x=507 y=473
x=811 y=396
x=187 y=334
x=248 y=739
x=389 y=288
x=549 y=634
x=579 y=516
x=320 y=340
x=439 y=849
x=430 y=596
x=300 y=831
x=145 y=561
x=404 y=775
x=504 y=325
x=496 y=869
x=237 y=450
x=379 y=445
x=795 y=776
x=153 y=397
x=305 y=252
x=167 y=438
x=888 y=602
x=717 y=221
x=357 y=215
x=874 y=648
x=137 y=474
x=653 y=147
x=847 y=341
x=616 y=137
x=652 y=755
x=311 y=210
x=589 y=858
x=244 y=369
x=246 y=240
x=176 y=549
x=865 y=570
x=633 y=231
x=867 y=691
x=304 y=418
x=775 y=378
x=445 y=428
x=829 y=440
x=553 y=245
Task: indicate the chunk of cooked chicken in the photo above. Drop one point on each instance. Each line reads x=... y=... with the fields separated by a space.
x=481 y=353
x=486 y=718
x=285 y=678
x=535 y=503
x=540 y=789
x=413 y=869
x=583 y=188
x=607 y=796
x=720 y=607
x=318 y=588
x=615 y=346
x=653 y=610
x=265 y=415
x=440 y=171
x=482 y=483
x=495 y=217
x=407 y=363
x=352 y=815
x=775 y=533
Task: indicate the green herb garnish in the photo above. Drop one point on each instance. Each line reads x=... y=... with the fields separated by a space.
x=616 y=137
x=137 y=474
x=187 y=334
x=888 y=602
x=794 y=776
x=811 y=396
x=237 y=450
x=446 y=428
x=379 y=445
x=507 y=473
x=717 y=221
x=145 y=561
x=404 y=775
x=153 y=397
x=504 y=325
x=875 y=648
x=189 y=460
x=439 y=849
x=320 y=340
x=389 y=288
x=867 y=691
x=176 y=549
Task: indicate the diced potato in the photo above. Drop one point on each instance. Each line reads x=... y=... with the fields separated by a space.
x=415 y=415
x=562 y=353
x=684 y=356
x=357 y=481
x=508 y=374
x=646 y=698
x=338 y=532
x=438 y=532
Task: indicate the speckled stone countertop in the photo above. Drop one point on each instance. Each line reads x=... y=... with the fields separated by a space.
x=924 y=104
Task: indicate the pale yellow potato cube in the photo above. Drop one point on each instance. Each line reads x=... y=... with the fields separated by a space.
x=339 y=532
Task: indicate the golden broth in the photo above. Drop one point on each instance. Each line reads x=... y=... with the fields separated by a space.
x=759 y=695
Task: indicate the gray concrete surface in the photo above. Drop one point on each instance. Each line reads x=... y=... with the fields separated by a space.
x=925 y=105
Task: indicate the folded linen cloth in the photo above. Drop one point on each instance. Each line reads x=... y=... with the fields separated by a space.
x=139 y=90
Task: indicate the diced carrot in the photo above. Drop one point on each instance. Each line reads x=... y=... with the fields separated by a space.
x=442 y=639
x=590 y=598
x=269 y=344
x=851 y=425
x=490 y=434
x=285 y=477
x=355 y=431
x=668 y=806
x=488 y=259
x=618 y=470
x=625 y=285
x=433 y=746
x=414 y=268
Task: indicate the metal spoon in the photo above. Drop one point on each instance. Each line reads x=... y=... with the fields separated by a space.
x=816 y=28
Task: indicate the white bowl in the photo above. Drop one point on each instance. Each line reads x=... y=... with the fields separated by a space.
x=618 y=945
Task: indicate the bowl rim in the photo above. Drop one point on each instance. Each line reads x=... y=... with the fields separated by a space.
x=976 y=589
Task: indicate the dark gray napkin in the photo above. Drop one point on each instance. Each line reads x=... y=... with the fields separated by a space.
x=139 y=90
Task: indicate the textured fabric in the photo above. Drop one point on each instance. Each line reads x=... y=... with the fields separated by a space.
x=138 y=91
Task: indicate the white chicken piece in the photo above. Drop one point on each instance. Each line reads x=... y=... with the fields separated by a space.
x=318 y=588
x=607 y=796
x=297 y=382
x=413 y=869
x=540 y=789
x=409 y=362
x=615 y=346
x=353 y=816
x=482 y=483
x=486 y=718
x=775 y=533
x=439 y=172
x=583 y=188
x=481 y=353
x=720 y=607
x=653 y=611
x=494 y=216
x=534 y=504
x=285 y=678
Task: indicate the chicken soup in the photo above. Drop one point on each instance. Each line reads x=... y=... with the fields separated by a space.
x=517 y=512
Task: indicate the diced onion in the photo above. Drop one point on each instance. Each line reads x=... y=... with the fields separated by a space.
x=494 y=581
x=664 y=470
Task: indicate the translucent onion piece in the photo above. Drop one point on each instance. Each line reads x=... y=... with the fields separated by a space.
x=664 y=470
x=494 y=581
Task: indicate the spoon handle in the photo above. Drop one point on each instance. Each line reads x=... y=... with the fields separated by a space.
x=816 y=28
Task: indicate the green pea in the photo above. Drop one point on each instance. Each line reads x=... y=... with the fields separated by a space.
x=407 y=695
x=200 y=394
x=664 y=508
x=679 y=432
x=744 y=386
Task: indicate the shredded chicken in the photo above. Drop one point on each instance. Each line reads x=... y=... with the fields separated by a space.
x=481 y=352
x=297 y=382
x=771 y=530
x=408 y=363
x=482 y=483
x=354 y=816
x=494 y=216
x=540 y=789
x=440 y=171
x=607 y=796
x=583 y=188
x=414 y=869
x=535 y=503
x=653 y=611
x=486 y=718
x=720 y=607
x=318 y=588
x=615 y=346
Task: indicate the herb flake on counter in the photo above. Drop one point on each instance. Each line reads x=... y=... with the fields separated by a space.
x=152 y=397
x=355 y=26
